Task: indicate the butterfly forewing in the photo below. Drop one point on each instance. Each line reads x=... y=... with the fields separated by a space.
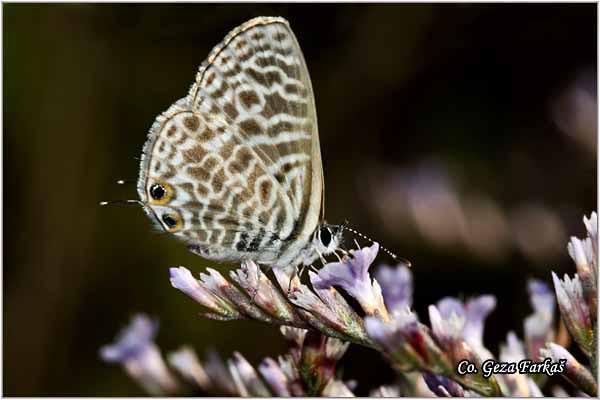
x=240 y=155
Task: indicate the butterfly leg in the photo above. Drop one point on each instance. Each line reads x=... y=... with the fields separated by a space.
x=323 y=261
x=292 y=275
x=313 y=269
x=343 y=251
x=289 y=290
x=255 y=290
x=338 y=256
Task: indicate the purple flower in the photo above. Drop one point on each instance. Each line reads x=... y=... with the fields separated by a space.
x=391 y=335
x=335 y=349
x=574 y=311
x=574 y=372
x=245 y=377
x=591 y=225
x=541 y=298
x=185 y=361
x=325 y=309
x=335 y=302
x=264 y=293
x=214 y=281
x=407 y=342
x=396 y=285
x=448 y=330
x=537 y=331
x=294 y=335
x=443 y=387
x=477 y=309
x=352 y=275
x=557 y=353
x=182 y=279
x=312 y=305
x=219 y=374
x=516 y=385
x=134 y=348
x=539 y=325
x=448 y=323
x=584 y=253
x=230 y=294
x=317 y=364
x=131 y=341
x=275 y=377
x=513 y=351
x=287 y=364
x=458 y=321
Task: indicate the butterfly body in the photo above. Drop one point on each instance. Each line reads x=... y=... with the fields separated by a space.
x=234 y=168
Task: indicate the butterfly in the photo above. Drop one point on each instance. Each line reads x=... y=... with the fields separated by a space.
x=234 y=168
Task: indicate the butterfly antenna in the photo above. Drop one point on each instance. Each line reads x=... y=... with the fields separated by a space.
x=122 y=202
x=125 y=181
x=385 y=250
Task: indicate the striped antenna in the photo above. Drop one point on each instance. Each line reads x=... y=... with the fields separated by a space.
x=122 y=202
x=393 y=255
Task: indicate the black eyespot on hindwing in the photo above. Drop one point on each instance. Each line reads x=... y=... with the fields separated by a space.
x=157 y=191
x=169 y=220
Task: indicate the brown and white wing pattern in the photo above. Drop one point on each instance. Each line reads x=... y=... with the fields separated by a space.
x=239 y=157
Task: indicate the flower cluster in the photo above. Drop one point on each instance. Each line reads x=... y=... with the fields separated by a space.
x=538 y=328
x=135 y=349
x=578 y=303
x=319 y=324
x=308 y=369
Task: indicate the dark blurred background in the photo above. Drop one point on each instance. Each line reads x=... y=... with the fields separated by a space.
x=463 y=137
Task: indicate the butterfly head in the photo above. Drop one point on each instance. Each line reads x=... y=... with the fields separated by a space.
x=327 y=238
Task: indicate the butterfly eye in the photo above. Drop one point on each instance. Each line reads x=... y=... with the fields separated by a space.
x=325 y=236
x=157 y=192
x=170 y=220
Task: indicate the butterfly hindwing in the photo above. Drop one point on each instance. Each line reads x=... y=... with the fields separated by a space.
x=218 y=186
